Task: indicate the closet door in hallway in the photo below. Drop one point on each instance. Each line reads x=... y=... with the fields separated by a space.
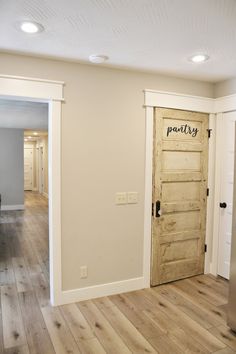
x=28 y=169
x=179 y=194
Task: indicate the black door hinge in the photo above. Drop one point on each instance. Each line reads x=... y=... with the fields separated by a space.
x=207 y=192
x=205 y=248
x=209 y=133
x=152 y=209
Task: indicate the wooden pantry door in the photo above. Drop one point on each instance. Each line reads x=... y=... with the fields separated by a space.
x=180 y=161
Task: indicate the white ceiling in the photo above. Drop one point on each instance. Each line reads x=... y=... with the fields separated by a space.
x=23 y=115
x=153 y=35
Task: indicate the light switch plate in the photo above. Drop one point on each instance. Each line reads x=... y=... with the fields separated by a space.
x=132 y=197
x=121 y=198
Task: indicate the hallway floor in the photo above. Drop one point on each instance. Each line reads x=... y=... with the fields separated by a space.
x=187 y=316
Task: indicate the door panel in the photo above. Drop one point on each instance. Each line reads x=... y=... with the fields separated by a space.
x=179 y=184
x=226 y=193
x=28 y=169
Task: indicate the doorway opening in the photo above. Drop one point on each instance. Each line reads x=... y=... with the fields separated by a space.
x=50 y=93
x=24 y=256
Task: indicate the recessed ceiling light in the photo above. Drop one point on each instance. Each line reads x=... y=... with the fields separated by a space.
x=97 y=59
x=31 y=27
x=26 y=139
x=199 y=58
x=30 y=137
x=35 y=133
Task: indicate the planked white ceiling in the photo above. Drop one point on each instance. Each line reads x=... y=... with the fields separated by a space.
x=153 y=35
x=23 y=115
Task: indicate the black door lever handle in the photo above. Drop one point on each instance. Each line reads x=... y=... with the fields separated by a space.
x=158 y=208
x=223 y=205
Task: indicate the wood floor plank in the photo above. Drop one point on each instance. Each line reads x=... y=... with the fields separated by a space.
x=225 y=351
x=106 y=334
x=183 y=340
x=81 y=330
x=91 y=346
x=187 y=343
x=200 y=300
x=216 y=298
x=164 y=345
x=210 y=342
x=6 y=272
x=40 y=285
x=140 y=320
x=212 y=283
x=130 y=335
x=197 y=313
x=13 y=329
x=225 y=335
x=18 y=350
x=36 y=332
x=60 y=335
x=21 y=274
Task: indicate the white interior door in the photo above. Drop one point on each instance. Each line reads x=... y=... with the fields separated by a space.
x=41 y=169
x=226 y=193
x=28 y=169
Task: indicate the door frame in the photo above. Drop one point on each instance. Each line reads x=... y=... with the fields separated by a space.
x=215 y=108
x=51 y=92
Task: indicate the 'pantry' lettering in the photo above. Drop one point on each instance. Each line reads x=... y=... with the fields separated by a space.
x=185 y=129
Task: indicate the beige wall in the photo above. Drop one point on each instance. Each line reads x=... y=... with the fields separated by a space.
x=12 y=166
x=103 y=149
x=225 y=88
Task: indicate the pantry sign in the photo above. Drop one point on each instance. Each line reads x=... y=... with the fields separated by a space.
x=183 y=128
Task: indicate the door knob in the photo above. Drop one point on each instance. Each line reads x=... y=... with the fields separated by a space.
x=223 y=205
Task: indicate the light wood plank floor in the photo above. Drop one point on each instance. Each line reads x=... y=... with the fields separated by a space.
x=187 y=316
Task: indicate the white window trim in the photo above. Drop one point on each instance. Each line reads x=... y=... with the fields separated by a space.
x=38 y=90
x=215 y=108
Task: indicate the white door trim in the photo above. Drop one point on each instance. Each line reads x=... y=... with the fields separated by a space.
x=212 y=106
x=38 y=90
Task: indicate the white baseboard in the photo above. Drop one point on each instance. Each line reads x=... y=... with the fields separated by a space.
x=93 y=292
x=12 y=207
x=45 y=195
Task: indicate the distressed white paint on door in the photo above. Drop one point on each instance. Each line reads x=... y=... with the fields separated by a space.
x=179 y=190
x=28 y=169
x=226 y=192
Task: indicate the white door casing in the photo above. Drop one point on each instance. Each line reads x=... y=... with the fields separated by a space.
x=38 y=90
x=214 y=107
x=28 y=169
x=226 y=193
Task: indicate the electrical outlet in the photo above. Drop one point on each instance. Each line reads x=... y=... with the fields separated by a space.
x=121 y=198
x=132 y=197
x=83 y=272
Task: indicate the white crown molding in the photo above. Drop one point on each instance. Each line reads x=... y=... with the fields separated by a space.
x=178 y=101
x=175 y=100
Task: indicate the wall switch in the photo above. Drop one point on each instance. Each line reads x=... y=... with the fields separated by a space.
x=132 y=197
x=121 y=198
x=83 y=272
